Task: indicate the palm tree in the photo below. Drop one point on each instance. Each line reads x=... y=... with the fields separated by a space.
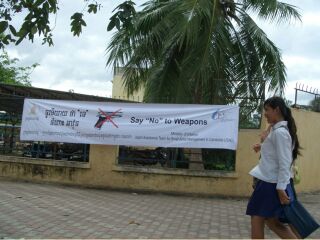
x=200 y=51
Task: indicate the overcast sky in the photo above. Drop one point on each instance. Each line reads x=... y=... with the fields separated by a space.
x=79 y=63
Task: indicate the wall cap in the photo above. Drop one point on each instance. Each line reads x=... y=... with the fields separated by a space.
x=182 y=172
x=44 y=162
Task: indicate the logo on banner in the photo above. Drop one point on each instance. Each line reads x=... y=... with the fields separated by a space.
x=33 y=110
x=105 y=117
x=217 y=115
x=32 y=114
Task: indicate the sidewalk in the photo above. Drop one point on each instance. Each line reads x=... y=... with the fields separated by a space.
x=29 y=210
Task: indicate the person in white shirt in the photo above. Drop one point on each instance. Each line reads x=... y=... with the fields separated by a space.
x=273 y=189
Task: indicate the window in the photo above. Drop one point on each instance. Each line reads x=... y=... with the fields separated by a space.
x=178 y=158
x=11 y=145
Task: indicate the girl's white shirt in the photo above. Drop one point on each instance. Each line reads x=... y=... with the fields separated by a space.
x=276 y=157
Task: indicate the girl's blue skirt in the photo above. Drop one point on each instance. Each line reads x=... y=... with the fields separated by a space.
x=264 y=201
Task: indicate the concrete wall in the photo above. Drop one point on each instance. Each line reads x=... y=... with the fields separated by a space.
x=308 y=124
x=118 y=90
x=103 y=172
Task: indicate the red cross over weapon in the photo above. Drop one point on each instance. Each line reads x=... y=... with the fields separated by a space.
x=108 y=118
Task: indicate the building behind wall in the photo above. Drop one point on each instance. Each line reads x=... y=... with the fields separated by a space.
x=118 y=88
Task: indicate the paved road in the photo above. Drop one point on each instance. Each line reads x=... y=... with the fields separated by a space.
x=29 y=210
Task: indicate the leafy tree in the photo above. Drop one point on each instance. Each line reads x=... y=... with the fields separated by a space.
x=36 y=20
x=12 y=74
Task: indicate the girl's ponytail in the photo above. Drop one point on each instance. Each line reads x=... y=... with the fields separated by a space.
x=275 y=102
x=293 y=133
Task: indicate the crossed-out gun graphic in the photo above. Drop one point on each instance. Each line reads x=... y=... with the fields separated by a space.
x=107 y=117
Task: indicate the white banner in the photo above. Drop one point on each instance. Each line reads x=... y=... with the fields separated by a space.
x=136 y=124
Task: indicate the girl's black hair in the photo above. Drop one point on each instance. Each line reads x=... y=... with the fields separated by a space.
x=275 y=102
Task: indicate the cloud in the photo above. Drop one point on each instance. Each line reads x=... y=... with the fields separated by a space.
x=299 y=44
x=303 y=67
x=78 y=63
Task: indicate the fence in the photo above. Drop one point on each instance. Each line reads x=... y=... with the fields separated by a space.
x=312 y=95
x=11 y=145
